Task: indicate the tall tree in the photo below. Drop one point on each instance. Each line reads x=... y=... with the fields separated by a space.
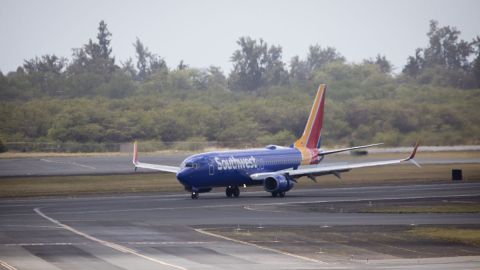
x=182 y=65
x=298 y=69
x=445 y=49
x=44 y=64
x=414 y=64
x=256 y=65
x=157 y=64
x=129 y=68
x=45 y=73
x=142 y=55
x=104 y=39
x=446 y=59
x=247 y=64
x=317 y=57
x=95 y=57
x=147 y=62
x=382 y=62
x=275 y=73
x=476 y=62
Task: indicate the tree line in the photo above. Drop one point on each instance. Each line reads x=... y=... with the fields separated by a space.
x=93 y=98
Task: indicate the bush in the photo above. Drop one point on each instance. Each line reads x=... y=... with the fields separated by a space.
x=3 y=148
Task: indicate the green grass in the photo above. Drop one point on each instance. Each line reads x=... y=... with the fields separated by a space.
x=465 y=236
x=361 y=242
x=77 y=185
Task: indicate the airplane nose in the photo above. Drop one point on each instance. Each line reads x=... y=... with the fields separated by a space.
x=182 y=175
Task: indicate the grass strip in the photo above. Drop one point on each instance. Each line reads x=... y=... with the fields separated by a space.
x=88 y=184
x=464 y=236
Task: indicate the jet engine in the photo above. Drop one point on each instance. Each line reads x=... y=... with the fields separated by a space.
x=278 y=184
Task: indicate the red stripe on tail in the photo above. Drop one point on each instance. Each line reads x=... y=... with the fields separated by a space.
x=135 y=153
x=312 y=141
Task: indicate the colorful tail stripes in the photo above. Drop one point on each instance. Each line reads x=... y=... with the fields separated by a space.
x=135 y=152
x=313 y=129
x=310 y=140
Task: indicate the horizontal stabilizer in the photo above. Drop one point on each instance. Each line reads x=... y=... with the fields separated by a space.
x=163 y=168
x=157 y=167
x=348 y=149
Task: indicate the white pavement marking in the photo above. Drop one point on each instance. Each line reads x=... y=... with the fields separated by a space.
x=107 y=243
x=41 y=244
x=84 y=243
x=6 y=265
x=260 y=247
x=29 y=226
x=68 y=162
x=171 y=243
x=250 y=206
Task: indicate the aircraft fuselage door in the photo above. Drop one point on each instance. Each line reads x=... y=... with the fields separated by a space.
x=211 y=169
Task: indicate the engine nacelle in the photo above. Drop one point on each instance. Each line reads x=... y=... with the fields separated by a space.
x=277 y=183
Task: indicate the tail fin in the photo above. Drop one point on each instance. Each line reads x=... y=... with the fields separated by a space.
x=313 y=130
x=135 y=153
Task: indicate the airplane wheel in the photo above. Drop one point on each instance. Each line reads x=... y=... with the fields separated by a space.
x=229 y=192
x=281 y=194
x=236 y=192
x=194 y=195
x=274 y=194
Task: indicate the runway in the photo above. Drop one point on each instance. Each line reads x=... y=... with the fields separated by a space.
x=151 y=231
x=94 y=165
x=88 y=165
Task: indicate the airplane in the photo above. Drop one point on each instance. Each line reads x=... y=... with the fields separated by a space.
x=275 y=167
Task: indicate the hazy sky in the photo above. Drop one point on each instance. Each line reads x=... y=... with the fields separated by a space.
x=203 y=33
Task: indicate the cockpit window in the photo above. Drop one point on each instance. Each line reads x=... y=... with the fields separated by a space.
x=191 y=165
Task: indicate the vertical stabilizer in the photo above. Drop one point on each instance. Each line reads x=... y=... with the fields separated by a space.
x=135 y=153
x=313 y=130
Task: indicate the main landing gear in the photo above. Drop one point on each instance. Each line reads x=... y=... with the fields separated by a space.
x=232 y=191
x=279 y=194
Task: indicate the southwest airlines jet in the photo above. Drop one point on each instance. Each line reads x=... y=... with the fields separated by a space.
x=276 y=168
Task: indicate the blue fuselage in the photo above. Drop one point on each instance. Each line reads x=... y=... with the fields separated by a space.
x=233 y=168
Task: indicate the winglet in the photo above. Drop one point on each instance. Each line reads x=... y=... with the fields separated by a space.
x=135 y=153
x=412 y=155
x=414 y=150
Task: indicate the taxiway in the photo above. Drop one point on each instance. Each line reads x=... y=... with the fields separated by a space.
x=151 y=231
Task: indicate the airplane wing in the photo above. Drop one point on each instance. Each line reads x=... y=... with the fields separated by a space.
x=334 y=169
x=347 y=149
x=157 y=167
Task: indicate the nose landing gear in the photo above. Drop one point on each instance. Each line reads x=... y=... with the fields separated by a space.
x=232 y=191
x=194 y=195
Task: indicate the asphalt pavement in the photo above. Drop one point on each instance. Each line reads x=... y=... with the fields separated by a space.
x=122 y=164
x=152 y=231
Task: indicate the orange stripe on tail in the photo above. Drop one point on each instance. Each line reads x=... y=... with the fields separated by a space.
x=135 y=153
x=313 y=130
